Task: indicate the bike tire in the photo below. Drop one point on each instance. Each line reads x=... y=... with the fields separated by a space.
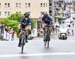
x=22 y=49
x=23 y=43
x=47 y=37
x=44 y=43
x=47 y=44
x=22 y=46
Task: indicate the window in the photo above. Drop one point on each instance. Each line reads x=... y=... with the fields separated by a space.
x=59 y=5
x=18 y=4
x=17 y=12
x=25 y=4
x=8 y=13
x=50 y=4
x=28 y=4
x=50 y=11
x=7 y=4
x=5 y=13
x=0 y=4
x=41 y=4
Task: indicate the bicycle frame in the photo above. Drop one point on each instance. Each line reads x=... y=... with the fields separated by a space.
x=23 y=41
x=47 y=33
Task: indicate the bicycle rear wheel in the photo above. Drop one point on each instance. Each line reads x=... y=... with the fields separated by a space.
x=47 y=44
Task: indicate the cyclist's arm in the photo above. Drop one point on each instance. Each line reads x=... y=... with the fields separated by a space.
x=43 y=22
x=50 y=20
x=19 y=26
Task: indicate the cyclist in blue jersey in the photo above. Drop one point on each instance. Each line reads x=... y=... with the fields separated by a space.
x=46 y=19
x=25 y=23
x=47 y=22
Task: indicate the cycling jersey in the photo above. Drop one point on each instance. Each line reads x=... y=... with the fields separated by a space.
x=48 y=21
x=24 y=22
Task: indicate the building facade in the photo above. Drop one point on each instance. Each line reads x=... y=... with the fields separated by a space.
x=73 y=4
x=8 y=7
x=58 y=9
x=51 y=9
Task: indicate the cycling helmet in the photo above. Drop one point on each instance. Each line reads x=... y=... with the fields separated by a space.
x=26 y=14
x=46 y=15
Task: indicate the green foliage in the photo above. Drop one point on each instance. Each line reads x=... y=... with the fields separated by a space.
x=16 y=16
x=33 y=23
x=13 y=21
x=10 y=23
x=59 y=20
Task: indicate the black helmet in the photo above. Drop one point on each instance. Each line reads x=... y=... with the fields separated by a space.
x=26 y=14
x=46 y=15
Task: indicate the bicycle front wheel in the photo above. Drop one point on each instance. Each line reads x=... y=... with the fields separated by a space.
x=22 y=49
x=47 y=44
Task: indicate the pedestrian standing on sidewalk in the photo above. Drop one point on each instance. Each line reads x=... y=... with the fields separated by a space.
x=12 y=34
x=8 y=34
x=15 y=36
x=0 y=29
x=56 y=26
x=5 y=33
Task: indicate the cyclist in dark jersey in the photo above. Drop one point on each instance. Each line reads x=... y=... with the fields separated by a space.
x=47 y=21
x=25 y=23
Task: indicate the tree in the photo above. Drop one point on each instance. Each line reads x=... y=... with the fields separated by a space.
x=13 y=21
x=59 y=20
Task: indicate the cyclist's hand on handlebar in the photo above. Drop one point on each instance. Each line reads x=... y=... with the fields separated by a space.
x=19 y=30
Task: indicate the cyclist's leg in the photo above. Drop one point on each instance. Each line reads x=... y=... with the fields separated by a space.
x=26 y=36
x=20 y=36
x=48 y=38
x=44 y=35
x=28 y=28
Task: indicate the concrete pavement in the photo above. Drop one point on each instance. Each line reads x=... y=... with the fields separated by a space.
x=34 y=49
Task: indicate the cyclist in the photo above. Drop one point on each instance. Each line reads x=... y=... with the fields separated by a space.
x=46 y=21
x=25 y=23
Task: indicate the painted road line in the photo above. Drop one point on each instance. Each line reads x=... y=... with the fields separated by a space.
x=39 y=54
